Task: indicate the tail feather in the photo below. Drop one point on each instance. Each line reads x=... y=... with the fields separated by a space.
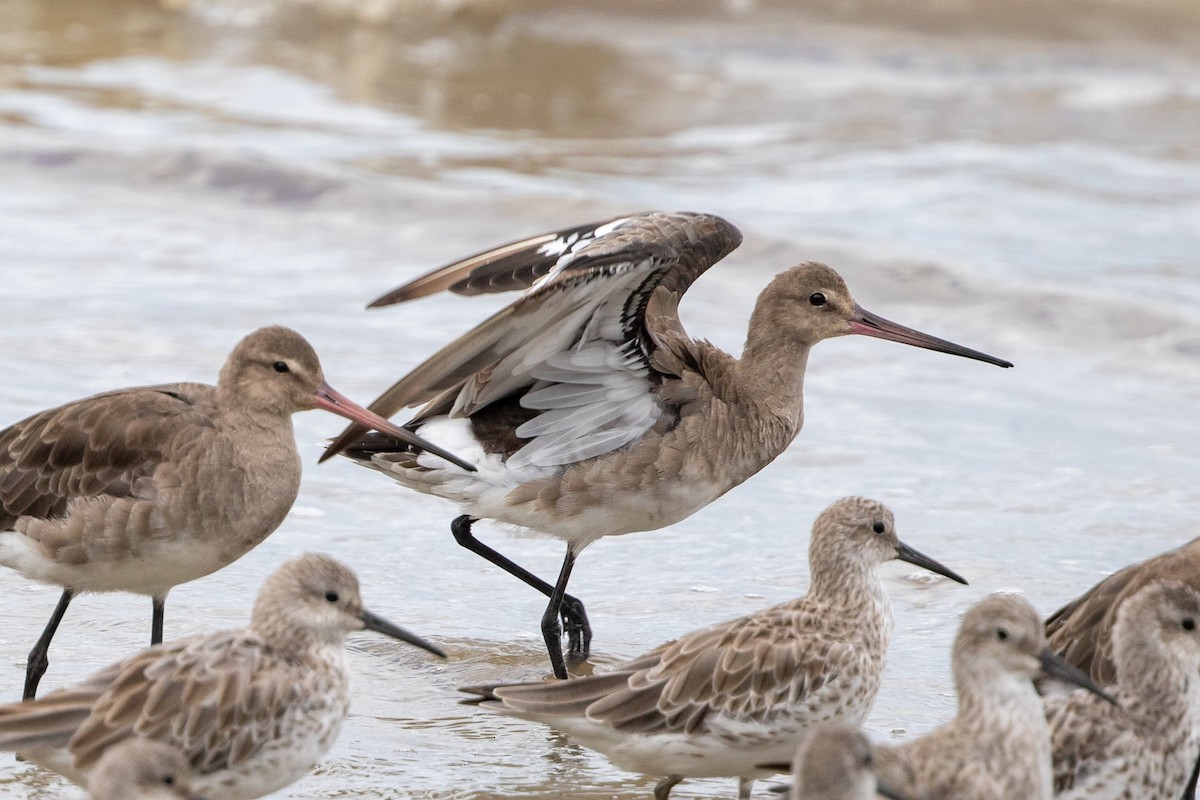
x=552 y=698
x=482 y=694
x=48 y=721
x=24 y=729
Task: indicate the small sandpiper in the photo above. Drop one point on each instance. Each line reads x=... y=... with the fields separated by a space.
x=720 y=701
x=140 y=490
x=1146 y=746
x=836 y=762
x=253 y=709
x=141 y=769
x=998 y=744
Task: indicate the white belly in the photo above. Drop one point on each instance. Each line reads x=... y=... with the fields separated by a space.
x=151 y=570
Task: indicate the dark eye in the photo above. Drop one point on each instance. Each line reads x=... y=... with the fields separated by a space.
x=816 y=299
x=1001 y=634
x=331 y=597
x=281 y=366
x=879 y=527
x=1189 y=624
x=169 y=780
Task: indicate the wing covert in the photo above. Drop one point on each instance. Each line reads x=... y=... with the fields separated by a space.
x=193 y=693
x=101 y=445
x=576 y=344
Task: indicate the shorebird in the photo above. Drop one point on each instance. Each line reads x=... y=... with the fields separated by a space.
x=1082 y=630
x=720 y=701
x=998 y=744
x=139 y=490
x=1146 y=747
x=140 y=769
x=252 y=710
x=586 y=406
x=836 y=762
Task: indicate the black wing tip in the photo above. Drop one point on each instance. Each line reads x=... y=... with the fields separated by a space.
x=370 y=443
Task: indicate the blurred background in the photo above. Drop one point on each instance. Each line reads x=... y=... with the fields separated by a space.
x=1021 y=177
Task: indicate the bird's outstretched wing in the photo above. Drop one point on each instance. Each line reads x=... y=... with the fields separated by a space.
x=585 y=345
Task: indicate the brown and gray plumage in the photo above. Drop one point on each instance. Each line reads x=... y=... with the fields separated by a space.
x=721 y=701
x=997 y=747
x=139 y=490
x=1081 y=631
x=141 y=769
x=252 y=710
x=1145 y=747
x=837 y=762
x=588 y=408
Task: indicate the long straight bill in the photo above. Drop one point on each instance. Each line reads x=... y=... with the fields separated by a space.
x=374 y=622
x=1056 y=666
x=906 y=553
x=867 y=324
x=330 y=399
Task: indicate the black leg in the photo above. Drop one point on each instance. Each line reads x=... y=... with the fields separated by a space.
x=662 y=790
x=579 y=632
x=156 y=621
x=574 y=616
x=551 y=630
x=39 y=659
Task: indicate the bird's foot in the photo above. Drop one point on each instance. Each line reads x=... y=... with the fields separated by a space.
x=579 y=631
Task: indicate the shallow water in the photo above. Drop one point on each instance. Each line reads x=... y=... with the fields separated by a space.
x=1024 y=179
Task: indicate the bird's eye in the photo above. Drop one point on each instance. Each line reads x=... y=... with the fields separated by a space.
x=281 y=366
x=1001 y=634
x=331 y=597
x=1189 y=624
x=816 y=299
x=879 y=527
x=169 y=780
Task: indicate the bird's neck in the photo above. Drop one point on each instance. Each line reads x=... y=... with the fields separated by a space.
x=850 y=585
x=770 y=374
x=249 y=416
x=1002 y=717
x=295 y=641
x=987 y=697
x=1160 y=698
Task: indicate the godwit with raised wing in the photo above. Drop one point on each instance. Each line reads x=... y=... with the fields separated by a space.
x=139 y=490
x=721 y=701
x=1146 y=746
x=587 y=408
x=252 y=710
x=998 y=744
